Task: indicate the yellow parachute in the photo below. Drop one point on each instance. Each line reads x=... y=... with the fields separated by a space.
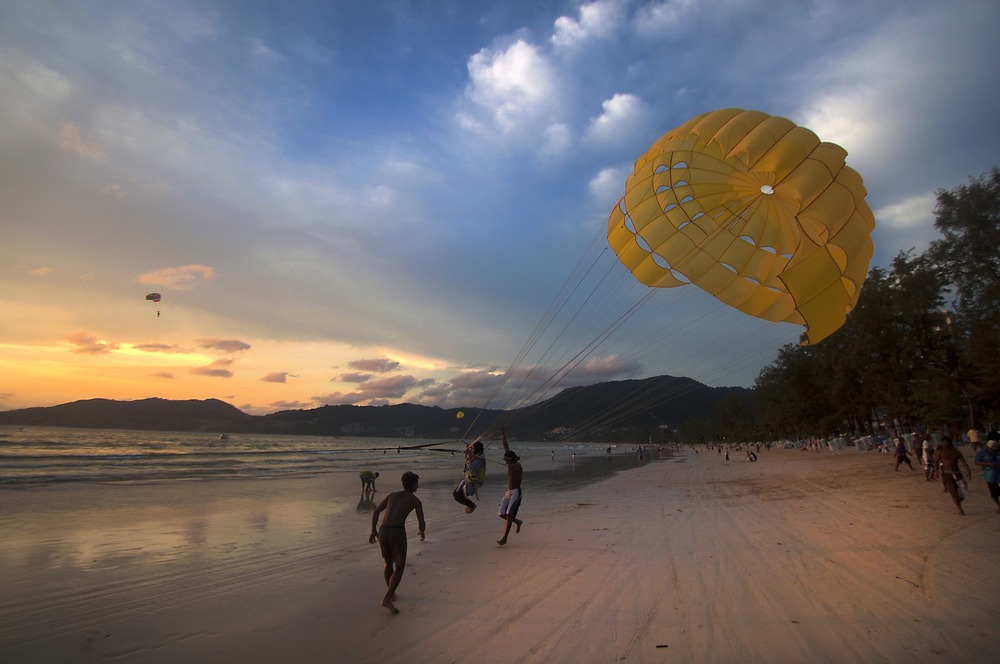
x=754 y=210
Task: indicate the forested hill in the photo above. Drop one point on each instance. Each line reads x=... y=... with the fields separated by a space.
x=604 y=411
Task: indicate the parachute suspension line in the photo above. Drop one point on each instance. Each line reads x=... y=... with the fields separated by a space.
x=663 y=340
x=541 y=392
x=561 y=335
x=633 y=404
x=573 y=282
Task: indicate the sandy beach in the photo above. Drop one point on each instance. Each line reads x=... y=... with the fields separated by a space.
x=803 y=556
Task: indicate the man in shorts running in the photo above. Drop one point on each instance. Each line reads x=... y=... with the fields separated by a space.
x=391 y=534
x=949 y=458
x=511 y=501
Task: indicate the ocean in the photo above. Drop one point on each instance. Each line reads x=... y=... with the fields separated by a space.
x=46 y=455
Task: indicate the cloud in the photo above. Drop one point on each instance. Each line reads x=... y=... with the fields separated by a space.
x=86 y=343
x=609 y=184
x=914 y=212
x=225 y=345
x=276 y=377
x=513 y=85
x=216 y=369
x=162 y=374
x=557 y=139
x=376 y=392
x=621 y=115
x=382 y=365
x=41 y=272
x=159 y=348
x=183 y=278
x=910 y=222
x=68 y=138
x=662 y=18
x=354 y=377
x=598 y=20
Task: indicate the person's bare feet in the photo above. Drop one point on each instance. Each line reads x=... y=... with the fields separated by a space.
x=517 y=526
x=389 y=605
x=502 y=541
x=470 y=510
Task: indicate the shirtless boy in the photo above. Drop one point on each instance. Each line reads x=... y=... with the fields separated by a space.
x=511 y=501
x=391 y=534
x=949 y=458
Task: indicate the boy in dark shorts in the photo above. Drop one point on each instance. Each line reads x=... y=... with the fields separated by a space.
x=391 y=534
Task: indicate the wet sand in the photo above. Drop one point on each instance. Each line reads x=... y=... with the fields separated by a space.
x=828 y=556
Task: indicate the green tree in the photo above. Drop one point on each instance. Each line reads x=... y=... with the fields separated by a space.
x=968 y=254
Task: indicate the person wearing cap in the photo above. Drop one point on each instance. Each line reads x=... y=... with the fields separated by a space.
x=511 y=501
x=391 y=535
x=988 y=459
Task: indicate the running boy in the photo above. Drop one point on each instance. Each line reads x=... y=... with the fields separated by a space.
x=392 y=533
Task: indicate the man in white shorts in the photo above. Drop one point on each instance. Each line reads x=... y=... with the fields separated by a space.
x=511 y=500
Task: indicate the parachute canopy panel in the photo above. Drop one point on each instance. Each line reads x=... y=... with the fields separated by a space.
x=153 y=297
x=754 y=210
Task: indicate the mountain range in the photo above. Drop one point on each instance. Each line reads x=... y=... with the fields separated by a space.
x=604 y=411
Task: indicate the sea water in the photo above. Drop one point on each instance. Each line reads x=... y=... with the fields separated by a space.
x=44 y=455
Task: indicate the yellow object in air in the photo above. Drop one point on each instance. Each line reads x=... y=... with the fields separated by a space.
x=753 y=209
x=459 y=415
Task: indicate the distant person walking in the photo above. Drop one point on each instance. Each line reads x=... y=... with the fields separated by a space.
x=511 y=501
x=391 y=535
x=988 y=459
x=902 y=456
x=949 y=458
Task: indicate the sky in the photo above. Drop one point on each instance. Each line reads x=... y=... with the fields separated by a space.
x=356 y=202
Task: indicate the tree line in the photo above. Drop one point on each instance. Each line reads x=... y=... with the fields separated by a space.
x=921 y=349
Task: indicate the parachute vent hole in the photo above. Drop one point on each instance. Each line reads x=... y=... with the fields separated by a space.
x=748 y=240
x=680 y=164
x=681 y=183
x=687 y=199
x=787 y=257
x=773 y=289
x=622 y=208
x=660 y=261
x=642 y=243
x=770 y=250
x=766 y=189
x=629 y=225
x=662 y=188
x=670 y=207
x=679 y=277
x=683 y=224
x=661 y=168
x=751 y=280
x=728 y=267
x=699 y=215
